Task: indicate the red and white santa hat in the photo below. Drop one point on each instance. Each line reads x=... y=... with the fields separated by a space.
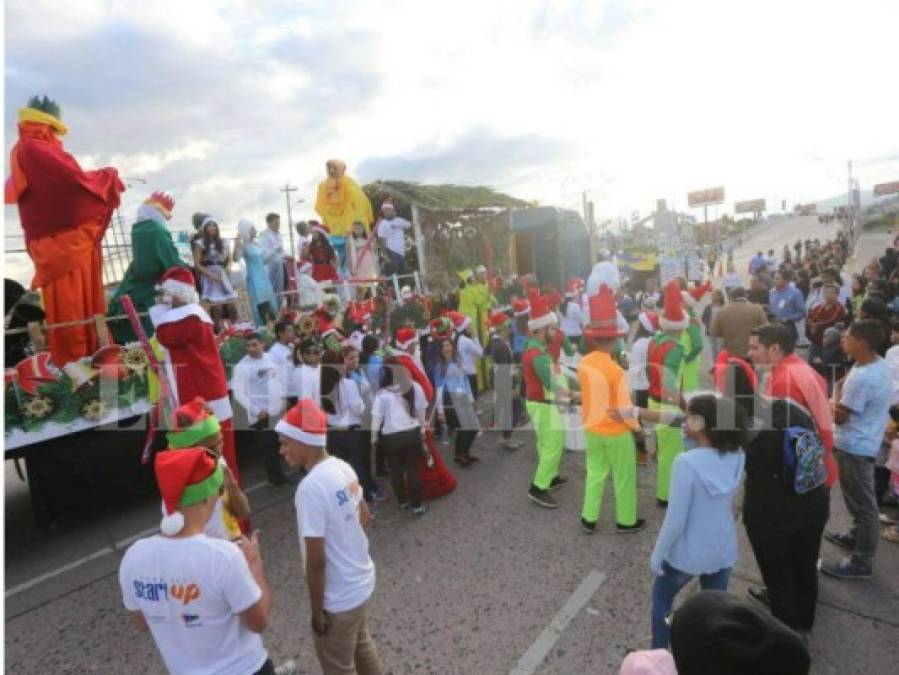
x=497 y=320
x=673 y=317
x=406 y=337
x=520 y=307
x=460 y=321
x=540 y=316
x=178 y=282
x=185 y=477
x=694 y=295
x=603 y=315
x=649 y=321
x=305 y=423
x=574 y=287
x=321 y=228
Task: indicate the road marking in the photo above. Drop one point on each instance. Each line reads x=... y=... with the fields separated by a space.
x=59 y=570
x=533 y=657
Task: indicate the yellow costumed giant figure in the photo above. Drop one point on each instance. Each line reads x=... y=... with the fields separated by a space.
x=475 y=302
x=340 y=202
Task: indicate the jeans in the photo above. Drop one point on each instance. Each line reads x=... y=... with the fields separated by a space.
x=397 y=262
x=267 y=442
x=857 y=484
x=403 y=450
x=667 y=586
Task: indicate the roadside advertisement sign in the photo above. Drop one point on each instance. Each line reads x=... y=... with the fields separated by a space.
x=705 y=197
x=750 y=206
x=886 y=188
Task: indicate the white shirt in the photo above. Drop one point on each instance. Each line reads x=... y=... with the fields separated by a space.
x=356 y=338
x=272 y=247
x=892 y=359
x=391 y=231
x=636 y=369
x=305 y=382
x=573 y=322
x=258 y=387
x=191 y=592
x=283 y=356
x=470 y=351
x=349 y=405
x=391 y=409
x=328 y=502
x=731 y=280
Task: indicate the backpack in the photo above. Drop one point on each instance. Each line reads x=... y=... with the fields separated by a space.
x=803 y=457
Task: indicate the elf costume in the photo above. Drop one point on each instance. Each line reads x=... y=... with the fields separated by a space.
x=64 y=212
x=691 y=339
x=185 y=477
x=152 y=253
x=185 y=330
x=541 y=379
x=664 y=369
x=610 y=443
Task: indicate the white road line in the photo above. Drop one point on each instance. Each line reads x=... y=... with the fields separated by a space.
x=533 y=657
x=59 y=570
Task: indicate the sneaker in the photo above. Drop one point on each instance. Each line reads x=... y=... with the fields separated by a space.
x=887 y=519
x=557 y=482
x=636 y=527
x=542 y=497
x=379 y=494
x=841 y=539
x=662 y=503
x=846 y=569
x=891 y=534
x=760 y=595
x=419 y=510
x=286 y=668
x=587 y=526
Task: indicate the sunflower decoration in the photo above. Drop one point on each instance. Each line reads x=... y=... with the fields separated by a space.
x=94 y=410
x=135 y=359
x=38 y=407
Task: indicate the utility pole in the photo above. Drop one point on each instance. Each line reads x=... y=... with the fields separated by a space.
x=287 y=189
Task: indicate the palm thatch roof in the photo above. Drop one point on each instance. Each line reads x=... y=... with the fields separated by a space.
x=439 y=197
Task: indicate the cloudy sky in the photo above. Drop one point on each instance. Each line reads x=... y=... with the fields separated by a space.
x=220 y=103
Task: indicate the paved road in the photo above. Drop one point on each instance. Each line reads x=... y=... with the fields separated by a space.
x=486 y=582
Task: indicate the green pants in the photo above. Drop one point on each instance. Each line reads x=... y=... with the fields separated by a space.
x=669 y=444
x=618 y=455
x=690 y=375
x=550 y=441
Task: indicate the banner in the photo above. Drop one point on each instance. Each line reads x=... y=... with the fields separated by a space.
x=750 y=206
x=670 y=268
x=886 y=188
x=705 y=197
x=695 y=268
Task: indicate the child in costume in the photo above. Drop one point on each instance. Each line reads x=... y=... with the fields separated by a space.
x=691 y=338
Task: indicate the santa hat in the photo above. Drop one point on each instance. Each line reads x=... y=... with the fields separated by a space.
x=441 y=328
x=191 y=423
x=649 y=321
x=694 y=295
x=185 y=477
x=305 y=423
x=606 y=273
x=162 y=203
x=405 y=337
x=603 y=315
x=387 y=204
x=496 y=320
x=460 y=321
x=520 y=307
x=540 y=316
x=321 y=228
x=574 y=287
x=178 y=282
x=673 y=317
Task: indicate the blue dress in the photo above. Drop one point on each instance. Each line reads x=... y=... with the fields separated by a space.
x=259 y=286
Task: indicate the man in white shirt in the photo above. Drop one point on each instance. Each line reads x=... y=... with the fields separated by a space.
x=281 y=352
x=204 y=600
x=469 y=349
x=273 y=253
x=391 y=235
x=258 y=388
x=306 y=380
x=331 y=515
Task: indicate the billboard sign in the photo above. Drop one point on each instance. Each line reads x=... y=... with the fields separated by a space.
x=750 y=206
x=705 y=197
x=886 y=189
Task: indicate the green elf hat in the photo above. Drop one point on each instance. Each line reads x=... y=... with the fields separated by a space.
x=192 y=423
x=185 y=477
x=44 y=110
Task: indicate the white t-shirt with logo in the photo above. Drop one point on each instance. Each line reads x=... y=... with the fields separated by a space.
x=191 y=592
x=391 y=231
x=328 y=501
x=258 y=386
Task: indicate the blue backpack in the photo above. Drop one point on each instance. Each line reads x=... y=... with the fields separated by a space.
x=803 y=456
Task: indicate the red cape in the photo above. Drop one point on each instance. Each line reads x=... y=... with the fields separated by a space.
x=52 y=191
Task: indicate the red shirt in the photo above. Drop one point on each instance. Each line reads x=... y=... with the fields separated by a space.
x=793 y=378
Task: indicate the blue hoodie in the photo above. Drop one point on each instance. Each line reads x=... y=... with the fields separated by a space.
x=699 y=535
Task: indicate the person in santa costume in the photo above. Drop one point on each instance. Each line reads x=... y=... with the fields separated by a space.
x=610 y=441
x=184 y=329
x=665 y=360
x=204 y=600
x=691 y=339
x=545 y=388
x=64 y=212
x=152 y=253
x=321 y=254
x=194 y=426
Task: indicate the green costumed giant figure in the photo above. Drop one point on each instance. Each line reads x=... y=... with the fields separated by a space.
x=152 y=253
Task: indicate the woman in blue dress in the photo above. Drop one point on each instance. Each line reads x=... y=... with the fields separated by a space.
x=259 y=287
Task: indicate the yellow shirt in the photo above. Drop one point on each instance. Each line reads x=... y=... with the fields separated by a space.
x=604 y=387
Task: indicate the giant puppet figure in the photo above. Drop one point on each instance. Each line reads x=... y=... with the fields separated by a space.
x=64 y=212
x=340 y=202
